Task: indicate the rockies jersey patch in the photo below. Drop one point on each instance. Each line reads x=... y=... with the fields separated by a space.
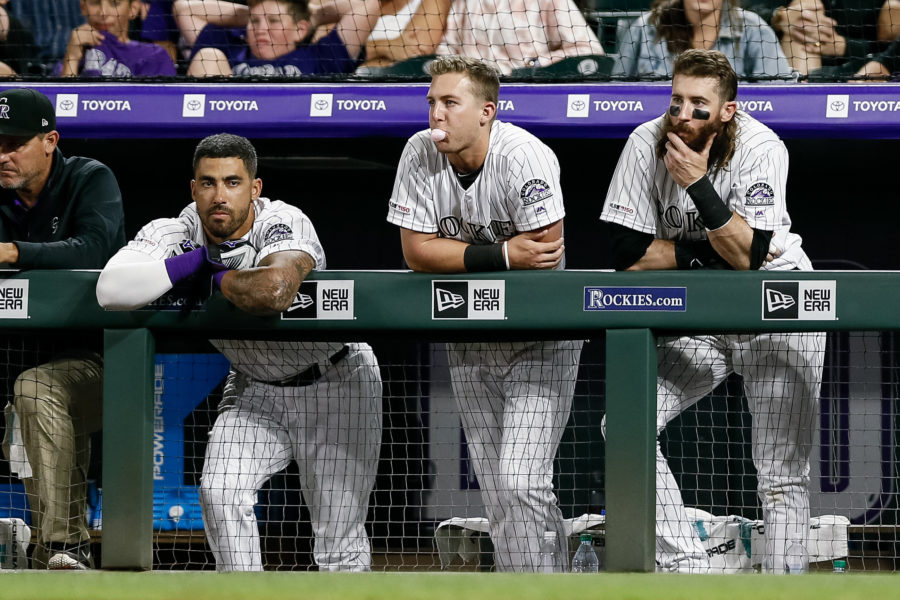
x=759 y=194
x=534 y=191
x=277 y=233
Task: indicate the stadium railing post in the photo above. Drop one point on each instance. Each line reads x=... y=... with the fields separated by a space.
x=128 y=390
x=630 y=450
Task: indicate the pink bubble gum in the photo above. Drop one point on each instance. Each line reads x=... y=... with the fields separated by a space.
x=438 y=135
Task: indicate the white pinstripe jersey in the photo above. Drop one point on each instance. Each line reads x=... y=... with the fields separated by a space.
x=517 y=190
x=644 y=197
x=277 y=227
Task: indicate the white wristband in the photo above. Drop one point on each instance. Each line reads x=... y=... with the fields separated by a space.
x=506 y=253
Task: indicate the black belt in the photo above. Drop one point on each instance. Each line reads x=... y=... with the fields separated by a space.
x=312 y=374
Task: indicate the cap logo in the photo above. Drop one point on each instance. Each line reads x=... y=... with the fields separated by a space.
x=44 y=122
x=4 y=108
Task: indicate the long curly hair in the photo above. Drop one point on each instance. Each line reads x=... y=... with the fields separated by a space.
x=669 y=19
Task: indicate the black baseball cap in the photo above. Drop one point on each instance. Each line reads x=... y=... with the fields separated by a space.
x=25 y=112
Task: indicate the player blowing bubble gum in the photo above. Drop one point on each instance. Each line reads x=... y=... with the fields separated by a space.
x=475 y=194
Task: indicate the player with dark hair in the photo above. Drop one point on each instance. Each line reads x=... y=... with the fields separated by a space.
x=703 y=186
x=55 y=213
x=315 y=403
x=476 y=194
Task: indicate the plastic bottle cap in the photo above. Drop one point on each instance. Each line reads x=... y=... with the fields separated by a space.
x=840 y=564
x=586 y=537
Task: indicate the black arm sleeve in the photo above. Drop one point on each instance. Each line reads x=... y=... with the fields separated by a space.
x=698 y=255
x=628 y=245
x=98 y=230
x=759 y=247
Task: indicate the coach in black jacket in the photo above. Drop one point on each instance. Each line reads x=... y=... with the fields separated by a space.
x=55 y=213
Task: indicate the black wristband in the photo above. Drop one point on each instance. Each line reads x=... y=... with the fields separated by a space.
x=711 y=208
x=484 y=257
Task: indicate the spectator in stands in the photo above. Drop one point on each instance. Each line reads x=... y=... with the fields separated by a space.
x=406 y=29
x=16 y=44
x=831 y=38
x=883 y=65
x=275 y=35
x=158 y=25
x=510 y=34
x=50 y=22
x=55 y=213
x=649 y=46
x=101 y=47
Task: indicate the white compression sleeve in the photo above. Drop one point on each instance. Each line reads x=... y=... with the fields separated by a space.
x=131 y=280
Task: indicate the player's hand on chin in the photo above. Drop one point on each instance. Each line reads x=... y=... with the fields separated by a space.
x=685 y=165
x=526 y=251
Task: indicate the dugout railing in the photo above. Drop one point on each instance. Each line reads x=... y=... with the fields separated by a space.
x=555 y=305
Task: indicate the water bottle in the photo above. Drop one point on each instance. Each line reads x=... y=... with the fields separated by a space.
x=585 y=560
x=96 y=519
x=549 y=551
x=840 y=566
x=796 y=559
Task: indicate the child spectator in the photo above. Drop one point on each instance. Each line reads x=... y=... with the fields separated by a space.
x=275 y=34
x=101 y=47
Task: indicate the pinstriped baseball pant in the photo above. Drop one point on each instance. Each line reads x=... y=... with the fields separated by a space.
x=514 y=401
x=782 y=376
x=332 y=429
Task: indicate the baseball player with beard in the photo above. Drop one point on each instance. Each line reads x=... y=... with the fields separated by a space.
x=318 y=404
x=476 y=194
x=703 y=186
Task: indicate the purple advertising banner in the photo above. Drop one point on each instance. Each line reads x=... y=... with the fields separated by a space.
x=601 y=110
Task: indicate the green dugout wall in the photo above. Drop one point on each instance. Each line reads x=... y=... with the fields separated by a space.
x=630 y=307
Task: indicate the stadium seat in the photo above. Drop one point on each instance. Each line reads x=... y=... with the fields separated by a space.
x=412 y=68
x=590 y=66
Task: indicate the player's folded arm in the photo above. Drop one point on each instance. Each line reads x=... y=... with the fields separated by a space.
x=131 y=280
x=269 y=288
x=430 y=253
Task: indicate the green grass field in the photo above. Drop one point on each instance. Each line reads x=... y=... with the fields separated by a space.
x=100 y=585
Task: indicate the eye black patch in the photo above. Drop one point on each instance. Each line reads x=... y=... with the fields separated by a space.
x=699 y=113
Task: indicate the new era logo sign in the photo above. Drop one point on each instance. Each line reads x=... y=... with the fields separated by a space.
x=799 y=300
x=471 y=299
x=331 y=300
x=301 y=301
x=446 y=299
x=776 y=300
x=780 y=299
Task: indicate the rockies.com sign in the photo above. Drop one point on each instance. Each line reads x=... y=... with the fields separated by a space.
x=669 y=299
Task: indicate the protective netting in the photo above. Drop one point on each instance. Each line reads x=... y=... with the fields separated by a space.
x=765 y=40
x=427 y=507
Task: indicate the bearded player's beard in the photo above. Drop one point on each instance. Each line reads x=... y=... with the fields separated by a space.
x=718 y=150
x=701 y=136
